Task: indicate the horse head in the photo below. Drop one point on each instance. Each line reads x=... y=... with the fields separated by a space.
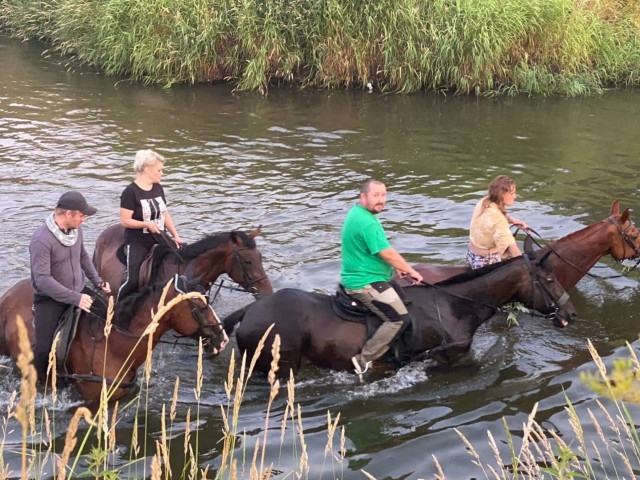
x=629 y=245
x=245 y=266
x=194 y=317
x=549 y=296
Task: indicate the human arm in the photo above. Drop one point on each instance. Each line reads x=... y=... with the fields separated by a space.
x=393 y=258
x=40 y=253
x=127 y=220
x=168 y=222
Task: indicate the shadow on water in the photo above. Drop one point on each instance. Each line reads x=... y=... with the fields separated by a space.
x=292 y=162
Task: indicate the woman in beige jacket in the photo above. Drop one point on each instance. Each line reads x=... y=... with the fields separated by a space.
x=490 y=240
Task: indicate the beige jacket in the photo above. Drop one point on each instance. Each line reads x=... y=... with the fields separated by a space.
x=489 y=231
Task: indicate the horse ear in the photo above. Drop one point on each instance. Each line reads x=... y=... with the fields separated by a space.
x=255 y=232
x=528 y=244
x=615 y=208
x=625 y=216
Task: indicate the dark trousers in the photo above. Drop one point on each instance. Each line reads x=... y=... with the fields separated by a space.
x=135 y=255
x=46 y=314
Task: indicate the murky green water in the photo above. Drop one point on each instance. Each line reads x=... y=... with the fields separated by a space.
x=292 y=162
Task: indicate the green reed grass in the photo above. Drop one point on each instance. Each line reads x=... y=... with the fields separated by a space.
x=489 y=47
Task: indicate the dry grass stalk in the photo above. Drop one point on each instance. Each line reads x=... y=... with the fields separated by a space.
x=472 y=451
x=204 y=472
x=193 y=465
x=290 y=407
x=275 y=388
x=52 y=368
x=71 y=439
x=496 y=453
x=108 y=324
x=187 y=431
x=304 y=457
x=25 y=410
x=135 y=446
x=368 y=475
x=253 y=472
x=228 y=385
x=174 y=400
x=112 y=431
x=163 y=433
x=331 y=430
x=633 y=356
x=199 y=379
x=440 y=474
x=156 y=464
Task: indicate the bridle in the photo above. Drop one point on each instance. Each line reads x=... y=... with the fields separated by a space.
x=247 y=282
x=551 y=303
x=205 y=330
x=626 y=239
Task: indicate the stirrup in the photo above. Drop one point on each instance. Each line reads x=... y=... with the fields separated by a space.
x=358 y=368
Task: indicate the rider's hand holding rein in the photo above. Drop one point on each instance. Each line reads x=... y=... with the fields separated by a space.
x=518 y=223
x=85 y=302
x=393 y=258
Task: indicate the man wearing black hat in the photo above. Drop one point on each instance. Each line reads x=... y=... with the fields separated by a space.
x=58 y=260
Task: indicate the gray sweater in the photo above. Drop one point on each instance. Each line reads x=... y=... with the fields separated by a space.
x=57 y=270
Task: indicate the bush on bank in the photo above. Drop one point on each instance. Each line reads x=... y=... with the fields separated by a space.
x=571 y=47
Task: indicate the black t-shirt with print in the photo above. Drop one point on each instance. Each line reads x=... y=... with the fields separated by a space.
x=147 y=206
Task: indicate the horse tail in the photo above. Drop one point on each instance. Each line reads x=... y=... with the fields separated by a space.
x=232 y=320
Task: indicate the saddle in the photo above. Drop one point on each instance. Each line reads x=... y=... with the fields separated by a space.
x=67 y=326
x=146 y=267
x=353 y=310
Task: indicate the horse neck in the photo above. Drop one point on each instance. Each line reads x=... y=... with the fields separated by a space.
x=582 y=249
x=211 y=264
x=503 y=285
x=142 y=320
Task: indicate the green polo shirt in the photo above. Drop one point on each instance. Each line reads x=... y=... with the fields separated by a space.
x=362 y=238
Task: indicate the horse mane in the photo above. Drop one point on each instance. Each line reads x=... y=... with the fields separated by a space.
x=479 y=272
x=191 y=251
x=128 y=307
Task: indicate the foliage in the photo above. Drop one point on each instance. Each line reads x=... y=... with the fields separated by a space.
x=572 y=47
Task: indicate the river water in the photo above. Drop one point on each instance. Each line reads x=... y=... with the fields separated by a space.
x=292 y=162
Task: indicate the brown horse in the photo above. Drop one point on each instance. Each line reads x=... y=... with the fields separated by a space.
x=575 y=254
x=445 y=316
x=234 y=253
x=91 y=358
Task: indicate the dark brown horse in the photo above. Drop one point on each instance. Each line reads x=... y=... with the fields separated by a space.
x=234 y=253
x=575 y=254
x=91 y=358
x=445 y=317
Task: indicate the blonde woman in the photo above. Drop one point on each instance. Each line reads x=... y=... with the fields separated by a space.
x=490 y=240
x=144 y=214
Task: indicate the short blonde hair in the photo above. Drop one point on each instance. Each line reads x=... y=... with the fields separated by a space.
x=144 y=158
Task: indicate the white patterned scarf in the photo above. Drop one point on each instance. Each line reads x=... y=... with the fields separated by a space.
x=66 y=239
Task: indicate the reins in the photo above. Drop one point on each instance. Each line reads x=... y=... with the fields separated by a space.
x=625 y=238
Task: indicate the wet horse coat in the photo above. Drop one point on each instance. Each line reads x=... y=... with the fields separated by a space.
x=445 y=316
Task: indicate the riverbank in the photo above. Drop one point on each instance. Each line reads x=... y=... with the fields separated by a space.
x=568 y=47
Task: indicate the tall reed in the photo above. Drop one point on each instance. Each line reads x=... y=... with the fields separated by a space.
x=572 y=47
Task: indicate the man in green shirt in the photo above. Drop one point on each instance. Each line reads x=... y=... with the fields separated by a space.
x=368 y=260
